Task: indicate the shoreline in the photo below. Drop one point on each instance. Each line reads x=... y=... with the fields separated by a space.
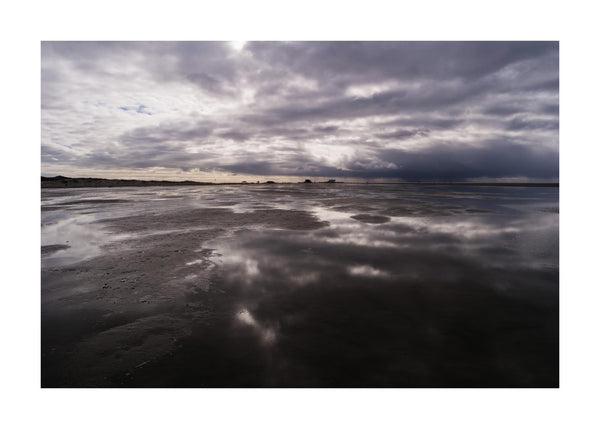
x=61 y=182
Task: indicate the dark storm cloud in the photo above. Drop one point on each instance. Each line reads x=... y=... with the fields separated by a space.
x=351 y=62
x=429 y=97
x=496 y=158
x=443 y=110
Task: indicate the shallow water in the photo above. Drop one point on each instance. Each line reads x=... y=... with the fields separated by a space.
x=300 y=285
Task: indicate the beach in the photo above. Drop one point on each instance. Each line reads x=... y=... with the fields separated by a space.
x=300 y=285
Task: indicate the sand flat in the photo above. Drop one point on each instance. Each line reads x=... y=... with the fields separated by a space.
x=435 y=287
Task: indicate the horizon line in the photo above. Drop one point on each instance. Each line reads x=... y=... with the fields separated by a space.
x=53 y=179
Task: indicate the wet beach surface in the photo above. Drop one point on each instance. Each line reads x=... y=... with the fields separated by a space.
x=303 y=285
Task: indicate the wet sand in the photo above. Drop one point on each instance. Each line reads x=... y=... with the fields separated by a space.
x=300 y=286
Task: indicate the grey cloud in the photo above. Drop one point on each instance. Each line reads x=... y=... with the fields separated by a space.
x=503 y=110
x=551 y=109
x=267 y=168
x=56 y=154
x=373 y=61
x=167 y=133
x=244 y=133
x=273 y=103
x=236 y=135
x=453 y=75
x=493 y=159
x=251 y=167
x=432 y=98
x=326 y=129
x=519 y=123
x=402 y=134
x=425 y=121
x=167 y=156
x=496 y=158
x=206 y=64
x=208 y=82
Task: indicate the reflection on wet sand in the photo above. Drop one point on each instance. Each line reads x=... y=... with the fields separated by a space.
x=458 y=288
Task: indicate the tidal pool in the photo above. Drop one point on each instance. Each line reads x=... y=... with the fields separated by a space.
x=303 y=285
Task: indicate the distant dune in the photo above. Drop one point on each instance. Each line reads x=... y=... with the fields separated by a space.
x=89 y=182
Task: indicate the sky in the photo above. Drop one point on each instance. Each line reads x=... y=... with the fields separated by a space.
x=287 y=111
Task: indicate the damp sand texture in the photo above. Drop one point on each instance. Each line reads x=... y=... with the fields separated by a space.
x=293 y=285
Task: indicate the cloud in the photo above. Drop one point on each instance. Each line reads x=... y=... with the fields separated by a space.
x=521 y=123
x=358 y=62
x=442 y=110
x=494 y=158
x=402 y=134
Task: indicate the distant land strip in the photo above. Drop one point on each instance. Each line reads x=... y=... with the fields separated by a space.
x=88 y=182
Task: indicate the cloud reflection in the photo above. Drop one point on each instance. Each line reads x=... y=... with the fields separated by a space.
x=456 y=301
x=267 y=334
x=367 y=271
x=458 y=288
